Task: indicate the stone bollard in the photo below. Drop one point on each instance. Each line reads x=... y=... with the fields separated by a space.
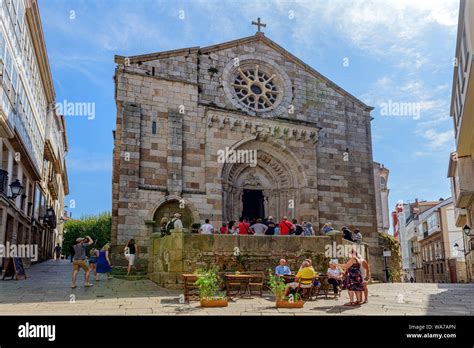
x=336 y=236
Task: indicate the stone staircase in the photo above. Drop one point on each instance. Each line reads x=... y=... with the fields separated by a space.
x=120 y=272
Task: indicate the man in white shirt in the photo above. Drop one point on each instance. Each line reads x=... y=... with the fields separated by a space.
x=178 y=224
x=207 y=228
x=259 y=229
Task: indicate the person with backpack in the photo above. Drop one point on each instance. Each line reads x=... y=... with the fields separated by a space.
x=57 y=252
x=244 y=226
x=174 y=224
x=347 y=234
x=271 y=226
x=286 y=227
x=298 y=228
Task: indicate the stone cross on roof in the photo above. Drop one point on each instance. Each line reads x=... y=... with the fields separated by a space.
x=259 y=24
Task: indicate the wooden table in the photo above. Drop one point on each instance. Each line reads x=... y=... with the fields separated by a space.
x=242 y=280
x=288 y=278
x=323 y=279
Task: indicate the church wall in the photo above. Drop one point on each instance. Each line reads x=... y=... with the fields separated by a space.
x=345 y=187
x=338 y=190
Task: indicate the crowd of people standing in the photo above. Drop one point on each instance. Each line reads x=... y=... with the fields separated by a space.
x=270 y=227
x=260 y=227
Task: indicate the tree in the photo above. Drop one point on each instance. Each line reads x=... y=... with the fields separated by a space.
x=97 y=227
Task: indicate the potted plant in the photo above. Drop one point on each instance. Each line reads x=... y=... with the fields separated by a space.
x=208 y=285
x=277 y=287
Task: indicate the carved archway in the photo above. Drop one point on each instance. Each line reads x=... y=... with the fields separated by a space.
x=277 y=173
x=174 y=204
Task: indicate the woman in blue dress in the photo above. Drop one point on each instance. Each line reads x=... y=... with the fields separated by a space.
x=103 y=263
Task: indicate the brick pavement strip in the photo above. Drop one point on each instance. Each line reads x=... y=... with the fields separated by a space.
x=47 y=291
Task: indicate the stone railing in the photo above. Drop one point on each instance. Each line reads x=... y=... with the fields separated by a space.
x=179 y=253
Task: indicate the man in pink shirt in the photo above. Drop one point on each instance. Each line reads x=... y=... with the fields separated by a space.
x=285 y=226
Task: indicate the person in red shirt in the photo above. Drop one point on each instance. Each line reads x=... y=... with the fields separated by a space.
x=244 y=226
x=224 y=228
x=285 y=226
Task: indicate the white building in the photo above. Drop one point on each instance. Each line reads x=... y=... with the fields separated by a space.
x=405 y=218
x=32 y=137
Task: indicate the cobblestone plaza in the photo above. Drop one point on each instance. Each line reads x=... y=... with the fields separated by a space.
x=47 y=292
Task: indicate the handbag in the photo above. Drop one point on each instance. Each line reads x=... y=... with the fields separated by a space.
x=127 y=253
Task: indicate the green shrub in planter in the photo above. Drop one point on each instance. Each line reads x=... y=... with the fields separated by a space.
x=276 y=285
x=208 y=283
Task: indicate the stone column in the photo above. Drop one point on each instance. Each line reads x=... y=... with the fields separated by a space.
x=175 y=153
x=9 y=168
x=225 y=202
x=1 y=153
x=20 y=178
x=240 y=204
x=176 y=264
x=166 y=262
x=266 y=202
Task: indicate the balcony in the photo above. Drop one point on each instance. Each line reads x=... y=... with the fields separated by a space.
x=53 y=146
x=463 y=181
x=50 y=218
x=6 y=130
x=460 y=217
x=53 y=188
x=3 y=182
x=465 y=122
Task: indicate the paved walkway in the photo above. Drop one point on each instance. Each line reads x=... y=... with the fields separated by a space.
x=47 y=292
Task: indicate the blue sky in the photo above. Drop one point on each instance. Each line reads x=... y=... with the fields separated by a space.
x=380 y=51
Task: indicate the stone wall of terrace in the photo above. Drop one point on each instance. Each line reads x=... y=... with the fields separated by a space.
x=179 y=253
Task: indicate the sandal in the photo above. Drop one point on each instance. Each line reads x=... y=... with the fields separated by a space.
x=365 y=301
x=350 y=304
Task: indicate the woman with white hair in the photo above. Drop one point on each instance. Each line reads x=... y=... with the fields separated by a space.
x=334 y=277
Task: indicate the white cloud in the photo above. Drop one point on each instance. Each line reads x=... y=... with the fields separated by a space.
x=437 y=139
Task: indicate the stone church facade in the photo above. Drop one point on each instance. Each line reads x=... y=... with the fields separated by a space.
x=178 y=111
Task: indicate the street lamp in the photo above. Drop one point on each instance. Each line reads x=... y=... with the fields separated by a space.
x=49 y=213
x=467 y=230
x=16 y=187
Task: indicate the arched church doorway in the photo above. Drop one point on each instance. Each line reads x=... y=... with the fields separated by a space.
x=253 y=204
x=270 y=186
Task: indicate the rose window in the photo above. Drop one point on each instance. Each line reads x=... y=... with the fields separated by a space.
x=256 y=89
